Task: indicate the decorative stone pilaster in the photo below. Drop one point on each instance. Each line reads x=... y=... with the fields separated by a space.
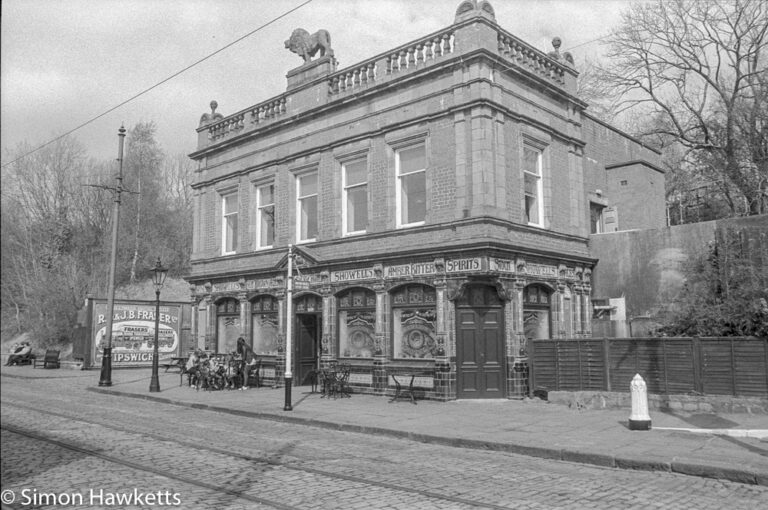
x=245 y=315
x=210 y=329
x=194 y=320
x=558 y=313
x=577 y=324
x=379 y=330
x=327 y=347
x=518 y=363
x=518 y=319
x=441 y=331
x=586 y=304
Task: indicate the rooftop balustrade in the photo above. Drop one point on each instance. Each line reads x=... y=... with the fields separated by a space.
x=410 y=58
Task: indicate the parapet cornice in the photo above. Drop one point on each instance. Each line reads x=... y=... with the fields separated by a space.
x=418 y=58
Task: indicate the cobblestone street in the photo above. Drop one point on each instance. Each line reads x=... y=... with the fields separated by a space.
x=82 y=443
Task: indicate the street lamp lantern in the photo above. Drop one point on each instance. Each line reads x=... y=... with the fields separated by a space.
x=158 y=275
x=158 y=279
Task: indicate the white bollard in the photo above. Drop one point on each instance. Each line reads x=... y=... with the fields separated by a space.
x=639 y=419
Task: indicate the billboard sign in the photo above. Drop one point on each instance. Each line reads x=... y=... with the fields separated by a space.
x=133 y=332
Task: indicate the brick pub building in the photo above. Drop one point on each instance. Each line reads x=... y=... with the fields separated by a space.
x=439 y=198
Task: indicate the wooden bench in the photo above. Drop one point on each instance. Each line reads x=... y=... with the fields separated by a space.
x=50 y=360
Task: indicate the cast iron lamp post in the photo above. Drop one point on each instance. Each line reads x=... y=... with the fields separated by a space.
x=158 y=279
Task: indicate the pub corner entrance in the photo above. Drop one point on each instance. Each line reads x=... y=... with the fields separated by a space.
x=480 y=343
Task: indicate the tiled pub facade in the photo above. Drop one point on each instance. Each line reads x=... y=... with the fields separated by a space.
x=438 y=198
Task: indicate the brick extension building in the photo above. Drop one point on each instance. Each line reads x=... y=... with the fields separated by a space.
x=439 y=198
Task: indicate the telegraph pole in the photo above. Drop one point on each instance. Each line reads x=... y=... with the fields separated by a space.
x=106 y=359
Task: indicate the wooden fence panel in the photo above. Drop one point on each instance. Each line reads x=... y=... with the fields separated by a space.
x=592 y=365
x=716 y=366
x=543 y=371
x=679 y=363
x=622 y=363
x=750 y=361
x=651 y=364
x=568 y=366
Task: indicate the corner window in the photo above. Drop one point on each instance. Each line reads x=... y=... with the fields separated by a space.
x=265 y=216
x=355 y=201
x=229 y=223
x=411 y=165
x=596 y=225
x=306 y=219
x=533 y=186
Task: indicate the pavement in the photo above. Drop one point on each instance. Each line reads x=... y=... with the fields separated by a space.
x=726 y=446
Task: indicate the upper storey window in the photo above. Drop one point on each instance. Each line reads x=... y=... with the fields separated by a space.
x=532 y=169
x=306 y=207
x=265 y=215
x=229 y=206
x=411 y=165
x=596 y=224
x=355 y=204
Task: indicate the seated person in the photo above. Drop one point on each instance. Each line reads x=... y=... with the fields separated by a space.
x=193 y=360
x=21 y=353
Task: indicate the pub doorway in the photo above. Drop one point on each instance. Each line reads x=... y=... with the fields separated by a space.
x=308 y=332
x=480 y=344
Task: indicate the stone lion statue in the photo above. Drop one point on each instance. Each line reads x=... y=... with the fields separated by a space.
x=306 y=45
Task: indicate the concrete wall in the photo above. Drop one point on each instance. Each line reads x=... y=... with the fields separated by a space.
x=647 y=266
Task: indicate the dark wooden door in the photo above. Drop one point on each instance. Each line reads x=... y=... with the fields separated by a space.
x=307 y=345
x=480 y=349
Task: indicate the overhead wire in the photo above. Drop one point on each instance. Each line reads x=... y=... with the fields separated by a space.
x=588 y=42
x=169 y=78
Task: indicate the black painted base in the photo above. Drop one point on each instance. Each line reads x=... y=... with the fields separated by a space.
x=106 y=368
x=639 y=424
x=288 y=384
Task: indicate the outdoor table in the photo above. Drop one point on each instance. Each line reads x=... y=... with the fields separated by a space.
x=403 y=391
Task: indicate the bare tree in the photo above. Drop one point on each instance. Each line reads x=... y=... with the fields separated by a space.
x=699 y=68
x=56 y=215
x=42 y=281
x=177 y=174
x=143 y=175
x=597 y=92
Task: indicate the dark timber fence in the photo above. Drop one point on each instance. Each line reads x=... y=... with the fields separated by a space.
x=708 y=366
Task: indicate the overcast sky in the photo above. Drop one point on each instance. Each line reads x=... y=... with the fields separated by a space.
x=65 y=62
